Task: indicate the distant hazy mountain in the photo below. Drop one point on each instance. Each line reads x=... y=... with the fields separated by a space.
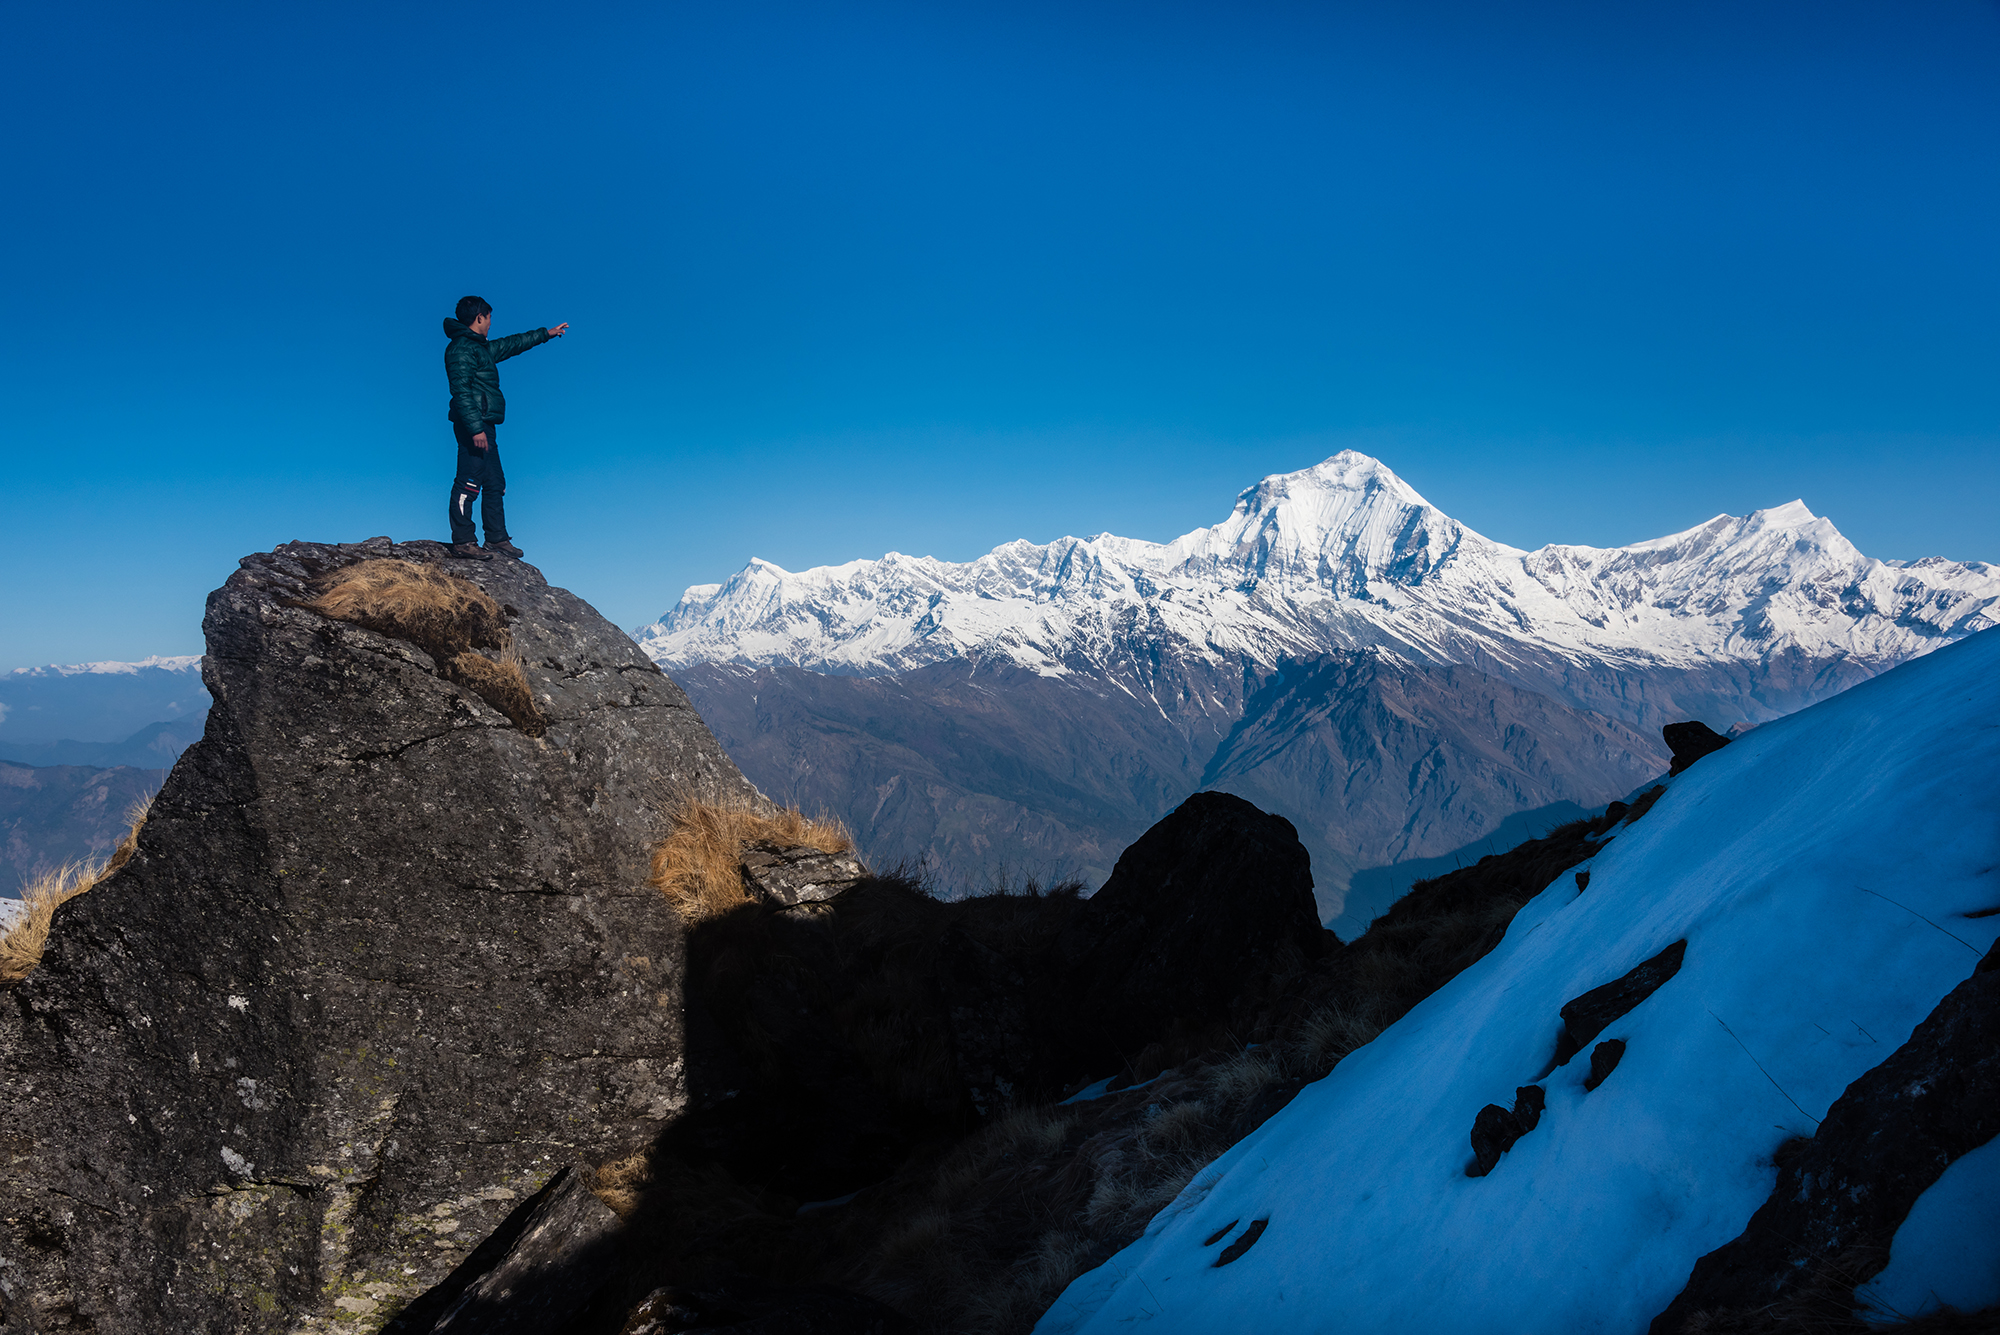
x=60 y=814
x=97 y=702
x=1338 y=650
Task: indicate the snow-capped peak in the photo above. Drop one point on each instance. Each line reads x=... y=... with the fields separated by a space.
x=164 y=663
x=1342 y=555
x=1340 y=527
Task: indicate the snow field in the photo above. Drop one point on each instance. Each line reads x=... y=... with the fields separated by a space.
x=1777 y=860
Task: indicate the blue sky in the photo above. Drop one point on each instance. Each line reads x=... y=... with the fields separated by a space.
x=857 y=277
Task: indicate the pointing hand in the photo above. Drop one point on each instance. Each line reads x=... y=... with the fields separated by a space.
x=559 y=330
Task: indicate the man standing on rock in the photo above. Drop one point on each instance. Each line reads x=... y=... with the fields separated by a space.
x=477 y=409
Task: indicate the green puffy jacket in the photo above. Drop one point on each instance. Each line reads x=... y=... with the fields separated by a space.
x=475 y=380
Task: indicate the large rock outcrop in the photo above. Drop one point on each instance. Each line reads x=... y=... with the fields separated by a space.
x=382 y=965
x=1842 y=1193
x=830 y=1037
x=1196 y=910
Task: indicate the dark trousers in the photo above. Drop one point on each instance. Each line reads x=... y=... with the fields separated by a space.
x=479 y=479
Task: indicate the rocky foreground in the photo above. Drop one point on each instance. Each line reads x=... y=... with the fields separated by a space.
x=382 y=964
x=388 y=1026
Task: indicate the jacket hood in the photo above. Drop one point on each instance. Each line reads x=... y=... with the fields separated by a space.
x=454 y=328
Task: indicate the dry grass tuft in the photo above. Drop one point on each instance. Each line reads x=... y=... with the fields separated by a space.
x=699 y=866
x=447 y=617
x=414 y=602
x=21 y=946
x=621 y=1183
x=502 y=684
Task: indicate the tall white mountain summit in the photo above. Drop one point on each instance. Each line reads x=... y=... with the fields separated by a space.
x=1339 y=651
x=1344 y=555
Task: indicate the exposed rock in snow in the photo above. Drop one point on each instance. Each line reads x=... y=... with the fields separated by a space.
x=1830 y=874
x=1842 y=1194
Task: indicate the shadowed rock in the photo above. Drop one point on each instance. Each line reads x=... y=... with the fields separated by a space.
x=381 y=965
x=1604 y=1059
x=1841 y=1195
x=560 y=1254
x=1496 y=1129
x=1203 y=902
x=1586 y=1017
x=1690 y=741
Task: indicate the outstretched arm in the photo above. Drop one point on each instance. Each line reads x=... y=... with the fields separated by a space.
x=513 y=344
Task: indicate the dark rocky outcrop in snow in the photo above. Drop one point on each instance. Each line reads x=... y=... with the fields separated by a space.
x=1604 y=1059
x=1842 y=1194
x=1496 y=1129
x=1586 y=1017
x=381 y=965
x=1690 y=741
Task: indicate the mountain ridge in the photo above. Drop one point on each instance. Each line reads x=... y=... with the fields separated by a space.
x=917 y=699
x=1342 y=555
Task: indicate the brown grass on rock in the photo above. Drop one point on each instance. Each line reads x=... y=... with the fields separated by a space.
x=449 y=618
x=699 y=866
x=439 y=612
x=21 y=945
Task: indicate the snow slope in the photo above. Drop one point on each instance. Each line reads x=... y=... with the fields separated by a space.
x=1343 y=555
x=1819 y=869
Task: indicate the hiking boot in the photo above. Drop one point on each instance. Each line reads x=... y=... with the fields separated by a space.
x=469 y=550
x=505 y=547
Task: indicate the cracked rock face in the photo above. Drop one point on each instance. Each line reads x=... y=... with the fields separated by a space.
x=381 y=965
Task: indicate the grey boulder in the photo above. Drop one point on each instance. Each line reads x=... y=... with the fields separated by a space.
x=381 y=966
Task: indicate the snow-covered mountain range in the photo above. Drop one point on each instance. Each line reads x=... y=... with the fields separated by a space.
x=96 y=703
x=1337 y=650
x=1343 y=555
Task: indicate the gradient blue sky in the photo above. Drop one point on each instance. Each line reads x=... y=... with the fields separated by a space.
x=846 y=278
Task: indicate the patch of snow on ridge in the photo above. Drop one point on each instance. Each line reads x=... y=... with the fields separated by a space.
x=1343 y=555
x=1776 y=861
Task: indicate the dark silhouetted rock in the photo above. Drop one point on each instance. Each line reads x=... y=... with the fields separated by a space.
x=1205 y=902
x=787 y=877
x=561 y=1253
x=1586 y=1017
x=1495 y=1129
x=815 y=1310
x=1234 y=1251
x=1604 y=1059
x=1690 y=741
x=381 y=965
x=992 y=1030
x=1842 y=1194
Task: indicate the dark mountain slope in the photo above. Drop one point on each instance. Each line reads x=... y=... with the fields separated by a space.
x=1376 y=761
x=64 y=813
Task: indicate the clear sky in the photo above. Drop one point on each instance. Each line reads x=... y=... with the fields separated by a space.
x=851 y=277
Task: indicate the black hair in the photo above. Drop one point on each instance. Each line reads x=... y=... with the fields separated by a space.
x=471 y=308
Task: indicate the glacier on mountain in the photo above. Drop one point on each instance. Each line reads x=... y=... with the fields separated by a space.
x=1343 y=556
